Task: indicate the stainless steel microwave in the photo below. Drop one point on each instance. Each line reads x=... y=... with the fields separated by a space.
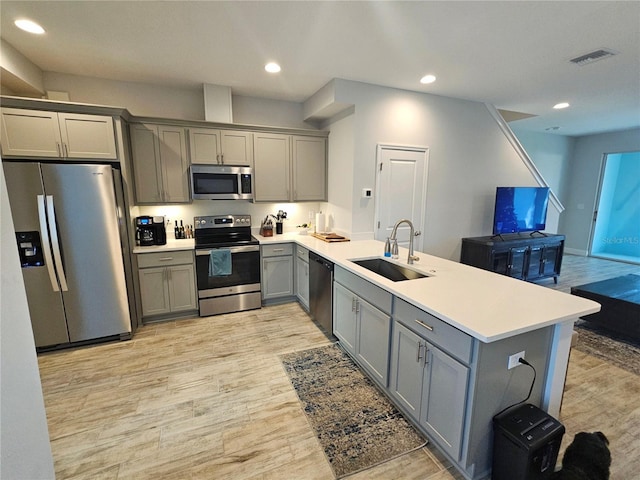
x=221 y=182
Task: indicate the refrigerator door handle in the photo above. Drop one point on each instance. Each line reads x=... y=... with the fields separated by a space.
x=55 y=241
x=46 y=247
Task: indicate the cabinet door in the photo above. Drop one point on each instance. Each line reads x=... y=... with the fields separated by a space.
x=534 y=263
x=237 y=148
x=344 y=317
x=373 y=340
x=302 y=282
x=272 y=158
x=551 y=260
x=182 y=288
x=517 y=262
x=154 y=291
x=146 y=163
x=175 y=165
x=309 y=169
x=30 y=133
x=204 y=145
x=444 y=400
x=87 y=136
x=407 y=366
x=277 y=277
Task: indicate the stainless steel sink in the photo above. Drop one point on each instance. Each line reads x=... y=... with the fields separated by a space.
x=392 y=271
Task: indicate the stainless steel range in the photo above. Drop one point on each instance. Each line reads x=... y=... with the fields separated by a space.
x=227 y=264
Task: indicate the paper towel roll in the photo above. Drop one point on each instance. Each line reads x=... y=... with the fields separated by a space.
x=320 y=222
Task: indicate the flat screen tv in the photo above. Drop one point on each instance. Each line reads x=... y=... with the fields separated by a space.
x=520 y=209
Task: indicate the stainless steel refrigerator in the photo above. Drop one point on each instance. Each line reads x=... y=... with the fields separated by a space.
x=68 y=220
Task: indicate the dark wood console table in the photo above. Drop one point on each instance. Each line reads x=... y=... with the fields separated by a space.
x=523 y=256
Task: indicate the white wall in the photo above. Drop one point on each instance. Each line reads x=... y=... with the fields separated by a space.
x=468 y=157
x=341 y=176
x=25 y=452
x=584 y=176
x=146 y=100
x=551 y=154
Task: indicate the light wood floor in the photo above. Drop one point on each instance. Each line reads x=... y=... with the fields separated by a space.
x=207 y=398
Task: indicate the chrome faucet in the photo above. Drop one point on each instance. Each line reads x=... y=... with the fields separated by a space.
x=411 y=257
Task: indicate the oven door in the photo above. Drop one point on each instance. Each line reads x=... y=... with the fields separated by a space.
x=244 y=277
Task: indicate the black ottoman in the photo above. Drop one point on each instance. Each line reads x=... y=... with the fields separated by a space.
x=620 y=300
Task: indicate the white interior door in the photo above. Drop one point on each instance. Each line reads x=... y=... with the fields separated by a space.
x=401 y=191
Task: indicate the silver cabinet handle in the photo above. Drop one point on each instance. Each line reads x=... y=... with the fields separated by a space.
x=357 y=306
x=428 y=327
x=55 y=242
x=418 y=356
x=165 y=259
x=353 y=304
x=65 y=150
x=46 y=247
x=278 y=250
x=58 y=148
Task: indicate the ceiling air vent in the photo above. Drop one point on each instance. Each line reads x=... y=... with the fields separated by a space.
x=592 y=57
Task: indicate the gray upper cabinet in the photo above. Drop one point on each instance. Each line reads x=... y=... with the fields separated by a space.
x=272 y=160
x=289 y=168
x=35 y=133
x=160 y=164
x=220 y=147
x=309 y=168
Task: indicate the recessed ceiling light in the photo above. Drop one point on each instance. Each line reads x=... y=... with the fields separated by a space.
x=560 y=106
x=29 y=26
x=272 y=67
x=428 y=79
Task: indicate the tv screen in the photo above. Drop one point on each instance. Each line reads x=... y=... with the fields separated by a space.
x=520 y=209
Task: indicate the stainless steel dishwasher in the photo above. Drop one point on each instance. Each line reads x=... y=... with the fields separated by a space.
x=321 y=292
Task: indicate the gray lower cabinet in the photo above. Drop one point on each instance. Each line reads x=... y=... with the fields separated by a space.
x=277 y=271
x=362 y=326
x=167 y=283
x=302 y=276
x=430 y=386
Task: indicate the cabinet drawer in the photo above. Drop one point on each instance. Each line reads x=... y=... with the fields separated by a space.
x=277 y=250
x=440 y=333
x=163 y=259
x=368 y=291
x=302 y=253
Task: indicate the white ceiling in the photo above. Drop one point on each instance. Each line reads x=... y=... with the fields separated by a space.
x=512 y=54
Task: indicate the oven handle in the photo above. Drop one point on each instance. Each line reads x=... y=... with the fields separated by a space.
x=246 y=248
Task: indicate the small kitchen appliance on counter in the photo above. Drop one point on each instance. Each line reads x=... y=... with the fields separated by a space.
x=526 y=441
x=227 y=264
x=150 y=231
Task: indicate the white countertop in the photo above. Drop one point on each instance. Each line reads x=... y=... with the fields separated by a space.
x=172 y=245
x=483 y=304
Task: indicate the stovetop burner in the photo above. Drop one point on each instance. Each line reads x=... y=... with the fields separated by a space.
x=223 y=231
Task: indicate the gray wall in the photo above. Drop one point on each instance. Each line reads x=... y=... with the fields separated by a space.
x=551 y=154
x=24 y=439
x=469 y=156
x=583 y=178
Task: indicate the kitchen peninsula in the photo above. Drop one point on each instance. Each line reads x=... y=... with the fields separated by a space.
x=468 y=322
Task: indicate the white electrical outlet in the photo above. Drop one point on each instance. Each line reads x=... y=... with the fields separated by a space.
x=513 y=360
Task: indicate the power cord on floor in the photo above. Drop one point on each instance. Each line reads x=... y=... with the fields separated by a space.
x=524 y=362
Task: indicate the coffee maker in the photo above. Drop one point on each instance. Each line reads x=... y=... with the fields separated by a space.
x=150 y=231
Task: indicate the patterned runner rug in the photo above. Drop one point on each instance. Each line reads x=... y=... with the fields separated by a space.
x=356 y=424
x=622 y=352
